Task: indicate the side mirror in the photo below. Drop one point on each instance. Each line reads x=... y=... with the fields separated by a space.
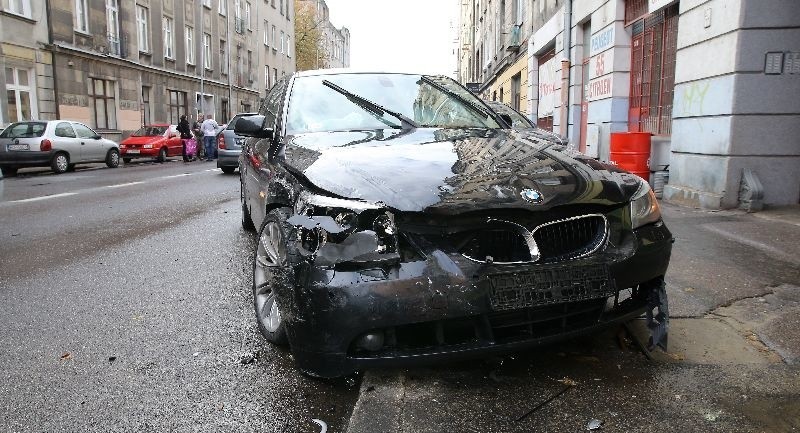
x=97 y=137
x=252 y=126
x=506 y=118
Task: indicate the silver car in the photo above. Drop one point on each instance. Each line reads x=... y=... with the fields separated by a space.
x=59 y=144
x=229 y=145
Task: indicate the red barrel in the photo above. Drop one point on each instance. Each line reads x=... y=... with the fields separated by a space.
x=631 y=152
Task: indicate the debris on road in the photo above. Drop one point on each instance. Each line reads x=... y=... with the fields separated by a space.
x=568 y=383
x=112 y=359
x=66 y=356
x=321 y=424
x=247 y=358
x=594 y=424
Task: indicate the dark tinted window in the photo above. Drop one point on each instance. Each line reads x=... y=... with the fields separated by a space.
x=272 y=103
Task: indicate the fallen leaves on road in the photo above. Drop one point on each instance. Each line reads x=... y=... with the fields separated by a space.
x=66 y=356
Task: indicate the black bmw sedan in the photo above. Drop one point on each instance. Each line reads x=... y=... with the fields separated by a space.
x=400 y=221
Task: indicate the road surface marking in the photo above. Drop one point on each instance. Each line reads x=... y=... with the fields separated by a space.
x=176 y=175
x=44 y=197
x=120 y=185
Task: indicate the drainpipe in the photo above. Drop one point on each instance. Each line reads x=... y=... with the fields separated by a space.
x=565 y=68
x=52 y=58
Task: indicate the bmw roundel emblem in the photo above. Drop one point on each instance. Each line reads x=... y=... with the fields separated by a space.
x=532 y=195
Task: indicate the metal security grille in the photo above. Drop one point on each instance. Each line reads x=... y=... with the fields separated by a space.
x=635 y=9
x=653 y=71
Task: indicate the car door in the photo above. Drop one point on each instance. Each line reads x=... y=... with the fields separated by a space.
x=174 y=143
x=65 y=139
x=93 y=148
x=257 y=167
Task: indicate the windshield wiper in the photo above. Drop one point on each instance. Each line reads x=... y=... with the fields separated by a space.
x=372 y=107
x=449 y=92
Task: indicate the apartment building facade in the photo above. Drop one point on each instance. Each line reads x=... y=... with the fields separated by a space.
x=335 y=51
x=117 y=65
x=710 y=80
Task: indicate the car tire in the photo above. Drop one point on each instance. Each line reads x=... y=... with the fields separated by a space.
x=112 y=158
x=162 y=155
x=60 y=163
x=127 y=160
x=228 y=170
x=247 y=221
x=273 y=252
x=12 y=171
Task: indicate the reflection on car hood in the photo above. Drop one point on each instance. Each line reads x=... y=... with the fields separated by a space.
x=453 y=170
x=142 y=140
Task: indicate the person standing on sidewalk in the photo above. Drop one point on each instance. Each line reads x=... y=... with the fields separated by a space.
x=186 y=134
x=209 y=129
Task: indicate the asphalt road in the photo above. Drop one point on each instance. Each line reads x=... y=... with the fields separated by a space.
x=126 y=307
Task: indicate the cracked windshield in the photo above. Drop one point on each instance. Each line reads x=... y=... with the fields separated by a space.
x=372 y=216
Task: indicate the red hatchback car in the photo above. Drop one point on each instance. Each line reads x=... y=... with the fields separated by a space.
x=158 y=141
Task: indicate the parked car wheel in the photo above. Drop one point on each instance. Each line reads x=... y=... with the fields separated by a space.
x=272 y=259
x=12 y=171
x=162 y=155
x=228 y=170
x=112 y=159
x=60 y=163
x=247 y=222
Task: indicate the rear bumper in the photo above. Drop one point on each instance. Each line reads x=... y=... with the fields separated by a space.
x=25 y=159
x=228 y=158
x=441 y=308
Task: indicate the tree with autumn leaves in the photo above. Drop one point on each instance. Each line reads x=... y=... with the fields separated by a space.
x=310 y=50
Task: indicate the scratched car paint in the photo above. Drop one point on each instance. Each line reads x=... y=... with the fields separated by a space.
x=401 y=221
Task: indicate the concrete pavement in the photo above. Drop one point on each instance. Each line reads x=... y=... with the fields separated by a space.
x=732 y=365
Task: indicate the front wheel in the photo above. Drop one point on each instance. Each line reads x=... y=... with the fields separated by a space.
x=112 y=158
x=271 y=268
x=162 y=155
x=60 y=163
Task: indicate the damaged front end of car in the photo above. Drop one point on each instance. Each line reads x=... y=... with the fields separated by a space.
x=376 y=286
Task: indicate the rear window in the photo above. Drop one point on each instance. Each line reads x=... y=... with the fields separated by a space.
x=232 y=123
x=24 y=130
x=150 y=131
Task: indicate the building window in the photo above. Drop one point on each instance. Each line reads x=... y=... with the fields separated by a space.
x=223 y=57
x=266 y=77
x=21 y=7
x=112 y=18
x=516 y=87
x=143 y=28
x=654 y=46
x=282 y=43
x=146 y=116
x=288 y=46
x=19 y=93
x=104 y=103
x=206 y=51
x=281 y=7
x=81 y=16
x=190 y=45
x=223 y=7
x=266 y=33
x=176 y=106
x=250 y=67
x=169 y=43
x=247 y=16
x=207 y=3
x=274 y=39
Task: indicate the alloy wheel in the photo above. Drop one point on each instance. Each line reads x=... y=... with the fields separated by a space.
x=271 y=254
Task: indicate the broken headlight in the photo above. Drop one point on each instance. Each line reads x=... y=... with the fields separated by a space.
x=644 y=206
x=321 y=220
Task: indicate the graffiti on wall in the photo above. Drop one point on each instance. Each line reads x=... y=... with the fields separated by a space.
x=694 y=98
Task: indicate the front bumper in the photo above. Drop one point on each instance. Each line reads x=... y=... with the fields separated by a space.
x=138 y=153
x=441 y=308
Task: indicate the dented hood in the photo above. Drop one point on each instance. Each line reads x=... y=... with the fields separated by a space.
x=454 y=170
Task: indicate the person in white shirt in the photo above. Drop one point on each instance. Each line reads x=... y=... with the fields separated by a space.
x=209 y=129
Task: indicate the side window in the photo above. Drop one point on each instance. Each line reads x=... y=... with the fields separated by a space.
x=83 y=131
x=64 y=129
x=272 y=103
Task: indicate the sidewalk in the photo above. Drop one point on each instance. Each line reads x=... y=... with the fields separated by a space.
x=733 y=365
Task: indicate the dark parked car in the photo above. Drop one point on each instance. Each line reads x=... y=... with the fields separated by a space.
x=59 y=144
x=229 y=145
x=399 y=222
